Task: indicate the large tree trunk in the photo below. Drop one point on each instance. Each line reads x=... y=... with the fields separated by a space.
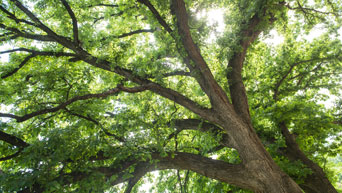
x=259 y=166
x=260 y=170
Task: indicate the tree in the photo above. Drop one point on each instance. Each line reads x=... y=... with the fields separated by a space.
x=99 y=93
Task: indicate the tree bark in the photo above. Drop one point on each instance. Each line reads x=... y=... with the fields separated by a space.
x=258 y=163
x=317 y=181
x=260 y=170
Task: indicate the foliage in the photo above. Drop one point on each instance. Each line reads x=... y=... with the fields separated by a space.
x=89 y=88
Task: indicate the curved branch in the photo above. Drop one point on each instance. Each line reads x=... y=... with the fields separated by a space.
x=156 y=15
x=33 y=54
x=137 y=175
x=74 y=21
x=88 y=118
x=306 y=9
x=215 y=169
x=77 y=98
x=11 y=156
x=18 y=68
x=154 y=87
x=108 y=66
x=165 y=92
x=15 y=141
x=39 y=53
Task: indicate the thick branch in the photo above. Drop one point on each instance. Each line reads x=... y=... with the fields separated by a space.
x=147 y=84
x=215 y=169
x=77 y=98
x=205 y=78
x=152 y=86
x=74 y=21
x=34 y=18
x=167 y=93
x=235 y=65
x=195 y=124
x=13 y=140
x=137 y=175
x=318 y=178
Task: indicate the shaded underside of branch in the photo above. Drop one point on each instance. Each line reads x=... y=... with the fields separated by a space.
x=230 y=173
x=200 y=125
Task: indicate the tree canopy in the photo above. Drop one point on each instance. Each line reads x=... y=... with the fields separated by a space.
x=96 y=95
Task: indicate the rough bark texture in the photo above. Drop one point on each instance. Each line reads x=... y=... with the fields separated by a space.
x=257 y=161
x=258 y=164
x=235 y=65
x=315 y=182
